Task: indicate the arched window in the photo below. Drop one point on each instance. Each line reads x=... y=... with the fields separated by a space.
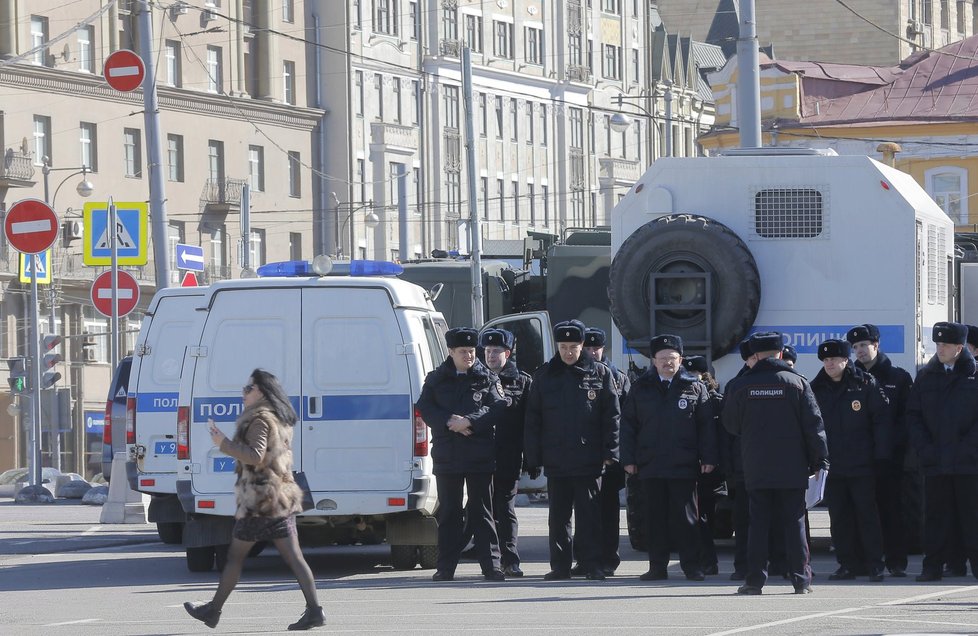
x=948 y=186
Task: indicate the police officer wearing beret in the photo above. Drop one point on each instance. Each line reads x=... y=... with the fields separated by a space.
x=498 y=346
x=462 y=402
x=942 y=420
x=572 y=431
x=857 y=421
x=668 y=438
x=782 y=438
x=896 y=383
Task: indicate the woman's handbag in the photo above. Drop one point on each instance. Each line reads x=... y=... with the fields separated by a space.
x=307 y=501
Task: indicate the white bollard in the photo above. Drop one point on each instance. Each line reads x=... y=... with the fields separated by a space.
x=123 y=505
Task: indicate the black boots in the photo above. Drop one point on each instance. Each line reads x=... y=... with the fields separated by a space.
x=204 y=612
x=312 y=617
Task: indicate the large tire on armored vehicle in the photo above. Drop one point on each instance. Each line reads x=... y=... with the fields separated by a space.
x=170 y=533
x=678 y=244
x=635 y=513
x=200 y=559
x=404 y=557
x=428 y=556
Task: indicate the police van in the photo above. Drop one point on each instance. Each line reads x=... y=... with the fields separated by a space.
x=151 y=408
x=352 y=352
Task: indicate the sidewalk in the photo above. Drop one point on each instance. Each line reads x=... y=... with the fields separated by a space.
x=67 y=525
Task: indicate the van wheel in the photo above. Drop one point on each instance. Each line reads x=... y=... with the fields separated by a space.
x=220 y=557
x=678 y=244
x=170 y=533
x=200 y=559
x=404 y=557
x=428 y=556
x=635 y=513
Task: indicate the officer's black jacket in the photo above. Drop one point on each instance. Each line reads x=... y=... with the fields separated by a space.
x=476 y=395
x=621 y=380
x=782 y=438
x=509 y=431
x=942 y=417
x=668 y=434
x=857 y=421
x=572 y=418
x=896 y=383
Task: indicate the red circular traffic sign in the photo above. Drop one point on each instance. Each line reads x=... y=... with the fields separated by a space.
x=127 y=294
x=31 y=226
x=124 y=70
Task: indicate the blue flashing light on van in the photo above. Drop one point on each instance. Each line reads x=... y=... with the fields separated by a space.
x=286 y=269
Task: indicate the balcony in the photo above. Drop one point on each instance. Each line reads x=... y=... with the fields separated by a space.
x=394 y=137
x=222 y=195
x=451 y=48
x=579 y=74
x=453 y=152
x=17 y=170
x=618 y=171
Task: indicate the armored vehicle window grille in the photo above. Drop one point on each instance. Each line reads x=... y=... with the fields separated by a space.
x=936 y=272
x=788 y=213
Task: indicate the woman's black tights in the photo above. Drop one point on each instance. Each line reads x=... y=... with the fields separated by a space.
x=291 y=553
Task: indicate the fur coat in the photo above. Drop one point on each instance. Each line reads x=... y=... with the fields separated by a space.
x=262 y=446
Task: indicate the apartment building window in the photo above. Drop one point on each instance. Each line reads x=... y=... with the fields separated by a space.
x=88 y=143
x=576 y=128
x=86 y=60
x=357 y=15
x=635 y=8
x=174 y=155
x=545 y=193
x=215 y=162
x=533 y=45
x=590 y=56
x=514 y=120
x=132 y=152
x=288 y=10
x=449 y=22
x=256 y=168
x=215 y=69
x=499 y=117
x=960 y=17
x=531 y=194
x=379 y=90
x=295 y=174
x=635 y=66
x=174 y=234
x=945 y=14
x=483 y=115
x=362 y=179
x=358 y=93
x=575 y=53
x=607 y=134
x=473 y=32
x=415 y=20
x=624 y=144
x=638 y=141
x=948 y=186
x=593 y=130
x=39 y=35
x=288 y=81
x=454 y=194
x=611 y=6
x=397 y=100
x=256 y=248
x=974 y=17
x=500 y=190
x=927 y=15
x=503 y=40
x=415 y=101
x=295 y=246
x=543 y=125
x=42 y=139
x=450 y=94
x=529 y=123
x=218 y=258
x=612 y=61
x=516 y=201
x=173 y=71
x=385 y=17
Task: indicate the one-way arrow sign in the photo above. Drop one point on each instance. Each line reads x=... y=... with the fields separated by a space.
x=190 y=257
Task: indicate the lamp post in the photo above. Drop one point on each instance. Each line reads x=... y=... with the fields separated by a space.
x=620 y=121
x=370 y=220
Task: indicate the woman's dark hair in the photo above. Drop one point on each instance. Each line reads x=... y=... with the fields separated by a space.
x=710 y=381
x=277 y=398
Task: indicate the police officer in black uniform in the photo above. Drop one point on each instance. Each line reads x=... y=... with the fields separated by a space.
x=896 y=383
x=462 y=402
x=498 y=346
x=572 y=431
x=730 y=460
x=942 y=420
x=668 y=438
x=773 y=410
x=857 y=424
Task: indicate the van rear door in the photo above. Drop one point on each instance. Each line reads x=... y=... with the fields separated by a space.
x=358 y=432
x=244 y=329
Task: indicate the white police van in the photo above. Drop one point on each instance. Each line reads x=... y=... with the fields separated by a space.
x=151 y=407
x=352 y=352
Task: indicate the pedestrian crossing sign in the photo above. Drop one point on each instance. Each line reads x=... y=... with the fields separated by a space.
x=131 y=234
x=43 y=267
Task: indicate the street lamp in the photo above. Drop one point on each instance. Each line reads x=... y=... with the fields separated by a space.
x=85 y=188
x=620 y=122
x=370 y=220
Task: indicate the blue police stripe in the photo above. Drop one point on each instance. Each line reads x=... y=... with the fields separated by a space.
x=362 y=407
x=157 y=402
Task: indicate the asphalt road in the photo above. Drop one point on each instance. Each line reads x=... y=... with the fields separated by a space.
x=139 y=587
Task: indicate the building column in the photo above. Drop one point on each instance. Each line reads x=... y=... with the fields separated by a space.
x=266 y=52
x=8 y=28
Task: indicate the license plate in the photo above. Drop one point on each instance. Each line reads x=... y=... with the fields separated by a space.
x=165 y=448
x=223 y=464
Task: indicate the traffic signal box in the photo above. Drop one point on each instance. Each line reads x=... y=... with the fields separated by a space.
x=18 y=374
x=49 y=376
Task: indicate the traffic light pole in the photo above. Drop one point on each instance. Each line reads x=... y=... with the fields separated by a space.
x=35 y=339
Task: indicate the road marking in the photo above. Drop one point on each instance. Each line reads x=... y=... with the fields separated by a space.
x=904 y=620
x=29 y=227
x=91 y=530
x=78 y=622
x=850 y=610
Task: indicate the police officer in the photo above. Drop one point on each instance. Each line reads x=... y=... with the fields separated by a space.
x=572 y=431
x=462 y=402
x=613 y=479
x=896 y=383
x=498 y=346
x=857 y=423
x=773 y=410
x=942 y=420
x=668 y=438
x=734 y=470
x=789 y=355
x=707 y=483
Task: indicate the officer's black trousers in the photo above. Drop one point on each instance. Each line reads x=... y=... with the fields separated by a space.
x=889 y=492
x=786 y=509
x=479 y=513
x=609 y=501
x=854 y=522
x=949 y=499
x=707 y=502
x=504 y=487
x=671 y=517
x=580 y=495
x=741 y=520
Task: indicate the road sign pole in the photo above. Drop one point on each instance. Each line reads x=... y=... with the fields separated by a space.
x=113 y=247
x=35 y=458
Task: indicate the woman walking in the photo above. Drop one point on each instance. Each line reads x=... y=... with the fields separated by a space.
x=267 y=495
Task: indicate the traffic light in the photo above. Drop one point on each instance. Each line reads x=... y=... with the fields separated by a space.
x=48 y=375
x=18 y=374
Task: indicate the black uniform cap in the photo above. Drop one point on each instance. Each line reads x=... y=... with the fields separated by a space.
x=569 y=331
x=789 y=354
x=744 y=348
x=973 y=335
x=594 y=337
x=461 y=337
x=695 y=364
x=834 y=349
x=863 y=332
x=950 y=333
x=498 y=338
x=768 y=341
x=666 y=341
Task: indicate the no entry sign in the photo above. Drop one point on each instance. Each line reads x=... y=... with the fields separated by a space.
x=124 y=70
x=128 y=293
x=31 y=226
